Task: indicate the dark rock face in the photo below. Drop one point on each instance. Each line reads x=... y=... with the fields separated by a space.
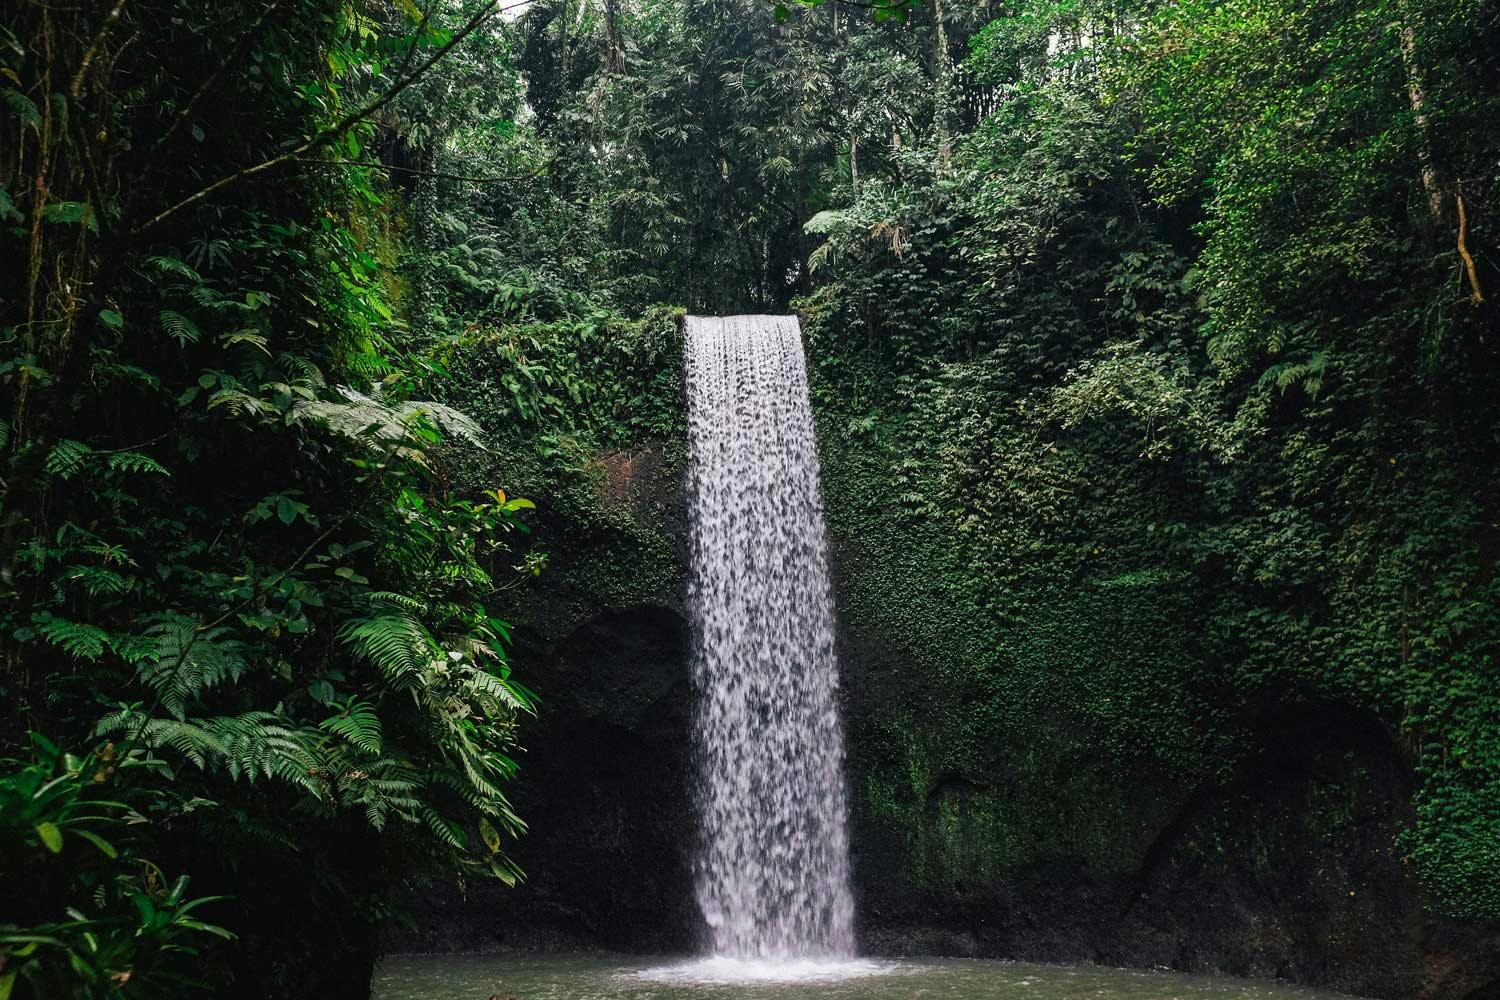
x=1262 y=876
x=603 y=789
x=1289 y=868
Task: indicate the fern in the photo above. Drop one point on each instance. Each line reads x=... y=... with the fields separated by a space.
x=134 y=461
x=209 y=298
x=448 y=832
x=354 y=415
x=447 y=419
x=239 y=403
x=197 y=744
x=249 y=336
x=67 y=458
x=78 y=639
x=173 y=265
x=397 y=645
x=402 y=601
x=358 y=724
x=485 y=687
x=97 y=581
x=246 y=747
x=188 y=662
x=179 y=327
x=301 y=371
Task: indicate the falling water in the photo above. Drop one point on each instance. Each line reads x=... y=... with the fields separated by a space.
x=773 y=869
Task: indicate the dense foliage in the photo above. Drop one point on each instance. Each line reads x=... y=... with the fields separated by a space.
x=1156 y=338
x=1212 y=350
x=238 y=594
x=1153 y=346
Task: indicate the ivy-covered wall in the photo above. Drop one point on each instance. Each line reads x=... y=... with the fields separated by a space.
x=1066 y=739
x=1106 y=702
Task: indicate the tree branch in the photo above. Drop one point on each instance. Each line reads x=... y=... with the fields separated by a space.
x=416 y=36
x=76 y=89
x=326 y=135
x=1463 y=251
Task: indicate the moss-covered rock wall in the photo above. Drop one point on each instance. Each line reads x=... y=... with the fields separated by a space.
x=1069 y=738
x=1045 y=760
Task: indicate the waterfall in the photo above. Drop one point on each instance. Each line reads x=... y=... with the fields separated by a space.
x=772 y=871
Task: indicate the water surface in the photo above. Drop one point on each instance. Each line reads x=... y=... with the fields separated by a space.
x=420 y=977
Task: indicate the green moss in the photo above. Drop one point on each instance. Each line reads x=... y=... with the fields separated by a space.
x=587 y=418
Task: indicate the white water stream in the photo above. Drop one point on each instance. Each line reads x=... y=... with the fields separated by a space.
x=773 y=868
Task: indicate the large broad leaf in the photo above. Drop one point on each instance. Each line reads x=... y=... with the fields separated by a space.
x=51 y=836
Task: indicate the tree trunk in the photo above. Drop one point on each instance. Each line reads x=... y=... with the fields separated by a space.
x=943 y=71
x=1417 y=94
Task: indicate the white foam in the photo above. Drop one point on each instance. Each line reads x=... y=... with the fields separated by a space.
x=721 y=970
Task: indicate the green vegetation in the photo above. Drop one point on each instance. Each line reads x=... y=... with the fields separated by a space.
x=1190 y=446
x=236 y=585
x=1153 y=347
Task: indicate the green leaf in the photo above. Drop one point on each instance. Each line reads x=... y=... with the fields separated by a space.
x=111 y=319
x=321 y=691
x=70 y=212
x=67 y=458
x=504 y=871
x=8 y=210
x=104 y=846
x=51 y=836
x=247 y=336
x=490 y=834
x=134 y=461
x=23 y=107
x=78 y=639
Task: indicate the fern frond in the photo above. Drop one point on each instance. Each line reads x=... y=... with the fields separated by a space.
x=173 y=265
x=179 y=327
x=196 y=743
x=239 y=403
x=403 y=601
x=67 y=458
x=447 y=831
x=487 y=687
x=356 y=415
x=188 y=662
x=302 y=371
x=134 y=461
x=95 y=580
x=397 y=644
x=353 y=415
x=454 y=423
x=358 y=724
x=78 y=639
